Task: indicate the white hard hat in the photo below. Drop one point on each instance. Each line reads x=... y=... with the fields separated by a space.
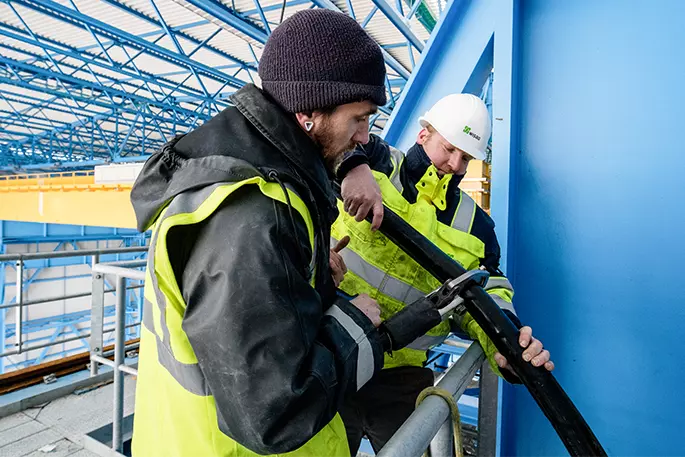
x=463 y=120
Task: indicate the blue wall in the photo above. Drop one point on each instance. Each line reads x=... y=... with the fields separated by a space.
x=597 y=219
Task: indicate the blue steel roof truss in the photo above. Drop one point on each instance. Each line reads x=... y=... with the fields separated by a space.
x=64 y=91
x=64 y=105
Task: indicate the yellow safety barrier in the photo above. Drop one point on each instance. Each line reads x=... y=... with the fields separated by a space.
x=66 y=198
x=75 y=198
x=71 y=180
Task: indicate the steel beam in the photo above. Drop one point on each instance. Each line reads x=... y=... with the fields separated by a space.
x=81 y=20
x=82 y=83
x=185 y=36
x=389 y=59
x=400 y=23
x=62 y=49
x=64 y=137
x=227 y=16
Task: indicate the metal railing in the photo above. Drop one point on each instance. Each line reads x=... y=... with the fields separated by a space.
x=57 y=181
x=20 y=259
x=123 y=271
x=46 y=179
x=430 y=428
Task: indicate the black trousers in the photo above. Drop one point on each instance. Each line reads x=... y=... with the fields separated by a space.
x=379 y=408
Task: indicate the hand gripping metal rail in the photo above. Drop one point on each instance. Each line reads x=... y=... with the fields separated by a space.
x=569 y=424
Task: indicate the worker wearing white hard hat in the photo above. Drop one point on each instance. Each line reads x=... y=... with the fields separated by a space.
x=462 y=120
x=422 y=187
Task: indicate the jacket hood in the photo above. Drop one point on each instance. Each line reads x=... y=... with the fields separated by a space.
x=252 y=138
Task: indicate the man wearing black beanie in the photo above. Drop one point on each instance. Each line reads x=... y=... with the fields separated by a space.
x=245 y=348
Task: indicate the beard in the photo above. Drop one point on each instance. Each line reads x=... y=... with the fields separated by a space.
x=333 y=153
x=333 y=159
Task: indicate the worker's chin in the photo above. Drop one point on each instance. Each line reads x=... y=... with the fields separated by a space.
x=335 y=157
x=333 y=161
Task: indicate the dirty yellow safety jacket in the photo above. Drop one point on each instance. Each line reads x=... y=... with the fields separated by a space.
x=245 y=349
x=438 y=209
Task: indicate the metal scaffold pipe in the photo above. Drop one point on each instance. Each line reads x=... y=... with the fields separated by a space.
x=414 y=436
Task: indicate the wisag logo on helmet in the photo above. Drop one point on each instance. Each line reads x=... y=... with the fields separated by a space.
x=468 y=131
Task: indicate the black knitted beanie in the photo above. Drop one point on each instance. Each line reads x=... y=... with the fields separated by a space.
x=320 y=58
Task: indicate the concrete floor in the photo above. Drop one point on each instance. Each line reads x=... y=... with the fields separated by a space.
x=57 y=428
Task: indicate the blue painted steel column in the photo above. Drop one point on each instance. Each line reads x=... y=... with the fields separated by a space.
x=596 y=227
x=503 y=121
x=504 y=145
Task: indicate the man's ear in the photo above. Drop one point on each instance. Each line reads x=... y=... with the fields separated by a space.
x=306 y=121
x=422 y=136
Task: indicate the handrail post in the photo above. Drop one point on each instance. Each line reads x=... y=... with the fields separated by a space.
x=120 y=311
x=19 y=315
x=415 y=435
x=488 y=404
x=442 y=444
x=97 y=319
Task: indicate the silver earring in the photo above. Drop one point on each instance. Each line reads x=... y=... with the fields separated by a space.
x=308 y=126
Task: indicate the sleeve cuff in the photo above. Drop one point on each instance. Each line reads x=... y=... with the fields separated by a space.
x=369 y=353
x=353 y=161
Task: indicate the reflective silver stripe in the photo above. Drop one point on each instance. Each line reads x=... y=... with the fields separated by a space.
x=312 y=262
x=397 y=183
x=396 y=157
x=188 y=375
x=425 y=342
x=463 y=219
x=499 y=283
x=161 y=299
x=147 y=316
x=365 y=362
x=379 y=279
x=186 y=202
x=502 y=303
